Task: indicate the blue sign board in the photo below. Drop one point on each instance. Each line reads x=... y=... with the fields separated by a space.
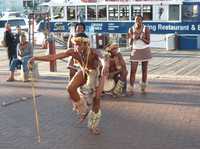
x=122 y=27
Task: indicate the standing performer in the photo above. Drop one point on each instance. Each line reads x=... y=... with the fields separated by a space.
x=116 y=69
x=90 y=72
x=139 y=40
x=79 y=28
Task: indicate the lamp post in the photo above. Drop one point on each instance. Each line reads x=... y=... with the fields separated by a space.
x=33 y=20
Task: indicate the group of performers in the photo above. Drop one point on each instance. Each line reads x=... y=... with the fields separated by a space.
x=96 y=68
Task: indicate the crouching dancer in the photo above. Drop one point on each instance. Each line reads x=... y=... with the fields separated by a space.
x=91 y=73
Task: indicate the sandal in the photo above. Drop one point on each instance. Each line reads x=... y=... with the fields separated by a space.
x=10 y=80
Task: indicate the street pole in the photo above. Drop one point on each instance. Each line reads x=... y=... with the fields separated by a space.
x=33 y=19
x=33 y=5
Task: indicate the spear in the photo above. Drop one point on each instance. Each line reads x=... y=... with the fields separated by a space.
x=37 y=122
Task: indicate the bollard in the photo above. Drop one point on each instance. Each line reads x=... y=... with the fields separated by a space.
x=176 y=41
x=52 y=51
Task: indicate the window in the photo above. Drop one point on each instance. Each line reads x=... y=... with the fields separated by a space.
x=102 y=13
x=190 y=12
x=124 y=12
x=58 y=12
x=91 y=12
x=160 y=12
x=71 y=13
x=173 y=12
x=135 y=10
x=113 y=12
x=147 y=12
x=2 y=23
x=16 y=22
x=81 y=13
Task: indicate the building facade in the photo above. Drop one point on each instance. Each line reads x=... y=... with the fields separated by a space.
x=11 y=5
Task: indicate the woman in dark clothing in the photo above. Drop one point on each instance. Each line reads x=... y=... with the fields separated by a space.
x=10 y=43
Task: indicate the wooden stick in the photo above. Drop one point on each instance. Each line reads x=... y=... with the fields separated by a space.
x=37 y=123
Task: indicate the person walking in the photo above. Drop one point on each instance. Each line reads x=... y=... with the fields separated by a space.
x=139 y=40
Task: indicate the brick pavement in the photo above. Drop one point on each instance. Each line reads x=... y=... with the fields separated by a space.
x=166 y=117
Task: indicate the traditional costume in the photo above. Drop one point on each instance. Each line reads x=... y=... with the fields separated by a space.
x=93 y=76
x=117 y=69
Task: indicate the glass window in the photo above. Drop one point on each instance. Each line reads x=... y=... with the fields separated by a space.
x=135 y=10
x=2 y=23
x=190 y=13
x=113 y=12
x=71 y=13
x=91 y=12
x=147 y=12
x=16 y=22
x=173 y=12
x=81 y=13
x=102 y=13
x=160 y=12
x=124 y=12
x=58 y=12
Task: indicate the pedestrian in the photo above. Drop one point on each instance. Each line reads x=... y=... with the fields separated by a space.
x=90 y=72
x=24 y=53
x=139 y=40
x=10 y=43
x=73 y=68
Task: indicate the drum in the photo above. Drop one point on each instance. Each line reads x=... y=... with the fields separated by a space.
x=108 y=85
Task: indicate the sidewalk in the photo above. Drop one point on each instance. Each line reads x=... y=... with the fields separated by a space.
x=167 y=117
x=181 y=65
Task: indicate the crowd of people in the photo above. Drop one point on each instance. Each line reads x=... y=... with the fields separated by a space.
x=92 y=68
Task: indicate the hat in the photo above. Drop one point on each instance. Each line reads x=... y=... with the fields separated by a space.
x=80 y=37
x=112 y=46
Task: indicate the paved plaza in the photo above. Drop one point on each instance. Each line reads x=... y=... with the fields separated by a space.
x=167 y=117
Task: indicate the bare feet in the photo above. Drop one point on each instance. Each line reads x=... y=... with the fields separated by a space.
x=95 y=131
x=83 y=117
x=143 y=88
x=130 y=90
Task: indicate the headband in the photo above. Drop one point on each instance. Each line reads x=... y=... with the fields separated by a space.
x=80 y=39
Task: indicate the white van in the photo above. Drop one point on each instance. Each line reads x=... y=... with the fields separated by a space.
x=22 y=22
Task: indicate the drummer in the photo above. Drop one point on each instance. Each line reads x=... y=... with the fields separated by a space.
x=116 y=69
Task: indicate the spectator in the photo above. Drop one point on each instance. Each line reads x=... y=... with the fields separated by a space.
x=139 y=38
x=18 y=34
x=9 y=43
x=17 y=40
